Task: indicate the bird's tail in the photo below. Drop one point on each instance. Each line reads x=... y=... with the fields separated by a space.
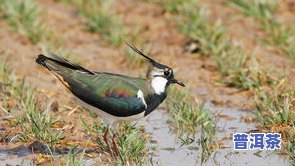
x=58 y=64
x=41 y=61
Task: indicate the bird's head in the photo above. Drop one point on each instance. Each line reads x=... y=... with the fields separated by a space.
x=161 y=76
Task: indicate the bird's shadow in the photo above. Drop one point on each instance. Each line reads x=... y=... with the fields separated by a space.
x=38 y=147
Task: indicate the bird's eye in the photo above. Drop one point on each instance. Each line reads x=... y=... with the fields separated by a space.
x=167 y=73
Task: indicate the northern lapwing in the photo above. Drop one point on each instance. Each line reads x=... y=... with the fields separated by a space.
x=114 y=97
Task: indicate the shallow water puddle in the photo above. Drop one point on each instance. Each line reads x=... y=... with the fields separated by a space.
x=10 y=159
x=170 y=151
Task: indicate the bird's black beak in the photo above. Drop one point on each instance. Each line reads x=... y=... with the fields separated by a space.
x=173 y=81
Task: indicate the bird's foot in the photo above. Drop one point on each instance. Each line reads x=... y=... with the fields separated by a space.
x=116 y=149
x=106 y=140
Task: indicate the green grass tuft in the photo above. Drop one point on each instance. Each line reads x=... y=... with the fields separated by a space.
x=71 y=159
x=131 y=142
x=230 y=60
x=190 y=117
x=34 y=123
x=241 y=71
x=276 y=113
x=106 y=24
x=195 y=24
x=22 y=16
x=172 y=6
x=278 y=35
x=255 y=8
x=37 y=125
x=100 y=20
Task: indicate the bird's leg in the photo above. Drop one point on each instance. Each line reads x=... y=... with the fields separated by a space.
x=115 y=144
x=106 y=140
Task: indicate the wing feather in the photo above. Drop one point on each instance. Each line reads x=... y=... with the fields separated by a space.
x=110 y=93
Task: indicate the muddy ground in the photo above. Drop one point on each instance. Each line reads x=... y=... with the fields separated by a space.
x=159 y=32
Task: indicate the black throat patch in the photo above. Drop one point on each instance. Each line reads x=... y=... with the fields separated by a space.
x=153 y=101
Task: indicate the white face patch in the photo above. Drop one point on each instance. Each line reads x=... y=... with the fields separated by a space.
x=140 y=96
x=159 y=84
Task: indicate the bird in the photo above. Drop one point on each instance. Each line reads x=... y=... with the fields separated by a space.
x=114 y=97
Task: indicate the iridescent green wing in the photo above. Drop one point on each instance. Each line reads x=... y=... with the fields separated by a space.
x=114 y=94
